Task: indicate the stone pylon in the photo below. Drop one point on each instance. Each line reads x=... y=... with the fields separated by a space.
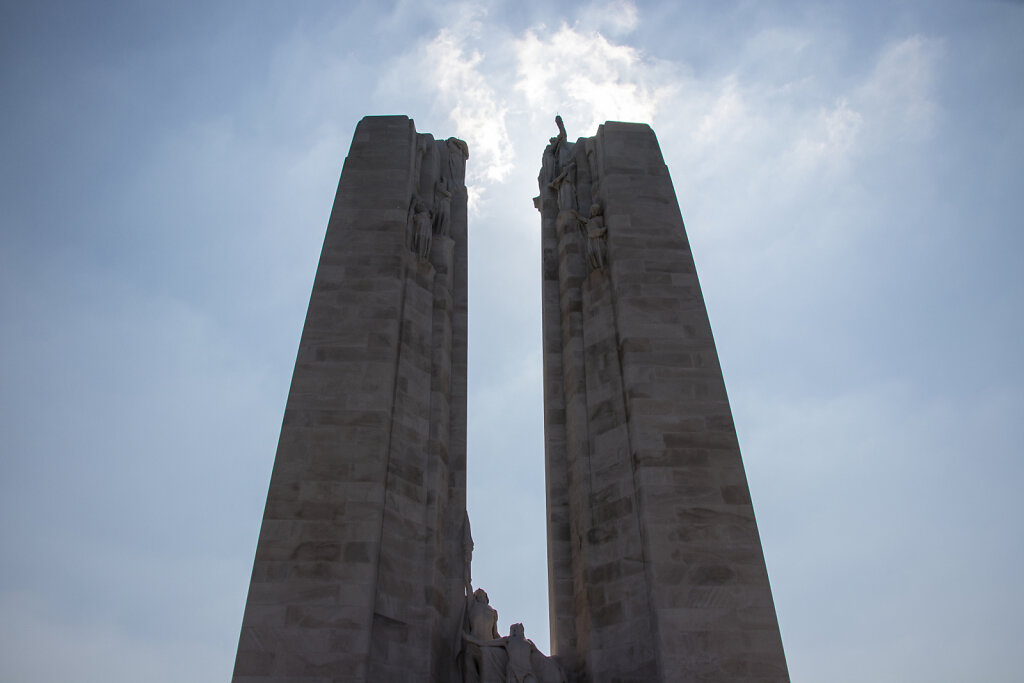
x=360 y=568
x=656 y=571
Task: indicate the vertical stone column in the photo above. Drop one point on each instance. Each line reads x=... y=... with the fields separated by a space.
x=357 y=576
x=655 y=564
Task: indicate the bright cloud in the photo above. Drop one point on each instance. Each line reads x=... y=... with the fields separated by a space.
x=475 y=108
x=899 y=90
x=829 y=140
x=727 y=114
x=772 y=125
x=615 y=17
x=586 y=76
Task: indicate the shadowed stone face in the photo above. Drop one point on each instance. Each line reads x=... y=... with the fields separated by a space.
x=656 y=570
x=360 y=567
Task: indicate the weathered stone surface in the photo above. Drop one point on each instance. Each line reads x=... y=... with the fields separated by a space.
x=359 y=568
x=656 y=570
x=655 y=564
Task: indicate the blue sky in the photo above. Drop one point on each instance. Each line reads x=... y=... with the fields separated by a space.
x=851 y=179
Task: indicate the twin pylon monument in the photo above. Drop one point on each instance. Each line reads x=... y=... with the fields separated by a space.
x=362 y=569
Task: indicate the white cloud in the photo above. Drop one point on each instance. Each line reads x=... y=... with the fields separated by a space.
x=586 y=77
x=727 y=114
x=829 y=141
x=776 y=137
x=455 y=71
x=474 y=106
x=899 y=90
x=614 y=17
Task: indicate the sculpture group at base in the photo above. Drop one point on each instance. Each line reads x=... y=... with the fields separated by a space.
x=488 y=657
x=484 y=655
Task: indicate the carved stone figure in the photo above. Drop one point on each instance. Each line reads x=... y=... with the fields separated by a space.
x=525 y=663
x=597 y=238
x=467 y=553
x=482 y=618
x=442 y=208
x=481 y=664
x=551 y=163
x=547 y=169
x=421 y=230
x=519 y=649
x=595 y=232
x=484 y=656
x=565 y=185
x=456 y=148
x=592 y=160
x=417 y=168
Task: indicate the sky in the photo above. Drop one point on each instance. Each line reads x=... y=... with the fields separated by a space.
x=850 y=174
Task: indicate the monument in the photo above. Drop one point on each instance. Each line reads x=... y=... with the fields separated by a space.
x=363 y=564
